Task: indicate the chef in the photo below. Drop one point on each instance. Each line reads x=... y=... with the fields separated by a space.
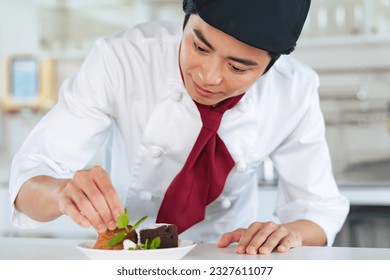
x=186 y=116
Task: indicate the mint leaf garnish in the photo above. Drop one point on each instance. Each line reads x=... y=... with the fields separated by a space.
x=139 y=222
x=150 y=245
x=116 y=239
x=155 y=243
x=123 y=221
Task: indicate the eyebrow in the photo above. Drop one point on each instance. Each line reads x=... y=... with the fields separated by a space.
x=200 y=36
x=243 y=61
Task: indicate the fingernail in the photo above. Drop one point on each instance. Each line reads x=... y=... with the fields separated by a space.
x=112 y=225
x=101 y=228
x=264 y=250
x=251 y=250
x=240 y=249
x=85 y=223
x=281 y=248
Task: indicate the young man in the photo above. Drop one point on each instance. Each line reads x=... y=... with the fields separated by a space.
x=188 y=116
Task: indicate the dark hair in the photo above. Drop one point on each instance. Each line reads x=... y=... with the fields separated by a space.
x=189 y=9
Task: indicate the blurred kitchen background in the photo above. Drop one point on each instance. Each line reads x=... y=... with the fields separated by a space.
x=347 y=42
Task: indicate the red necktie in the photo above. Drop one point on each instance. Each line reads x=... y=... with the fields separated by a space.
x=203 y=176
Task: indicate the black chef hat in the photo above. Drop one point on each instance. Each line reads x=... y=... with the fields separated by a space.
x=271 y=25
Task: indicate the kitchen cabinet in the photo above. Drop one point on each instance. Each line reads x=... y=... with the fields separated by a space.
x=348 y=19
x=348 y=44
x=368 y=223
x=61 y=24
x=368 y=226
x=61 y=33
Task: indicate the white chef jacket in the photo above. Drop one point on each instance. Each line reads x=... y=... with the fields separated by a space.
x=129 y=96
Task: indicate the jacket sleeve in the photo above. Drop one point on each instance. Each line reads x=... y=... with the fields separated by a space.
x=71 y=134
x=306 y=185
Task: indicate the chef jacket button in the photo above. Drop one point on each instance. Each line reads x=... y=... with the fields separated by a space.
x=242 y=106
x=146 y=196
x=241 y=166
x=155 y=152
x=177 y=96
x=226 y=203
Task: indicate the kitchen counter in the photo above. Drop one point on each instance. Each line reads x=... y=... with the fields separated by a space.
x=13 y=248
x=358 y=193
x=366 y=193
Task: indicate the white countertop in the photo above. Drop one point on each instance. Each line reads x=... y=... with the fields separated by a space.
x=13 y=248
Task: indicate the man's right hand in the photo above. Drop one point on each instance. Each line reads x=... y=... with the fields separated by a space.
x=90 y=199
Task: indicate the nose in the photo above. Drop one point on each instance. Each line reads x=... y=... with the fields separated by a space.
x=211 y=74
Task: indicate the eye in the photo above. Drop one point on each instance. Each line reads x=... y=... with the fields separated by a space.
x=236 y=69
x=199 y=49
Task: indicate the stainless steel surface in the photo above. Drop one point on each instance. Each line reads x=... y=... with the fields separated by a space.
x=374 y=173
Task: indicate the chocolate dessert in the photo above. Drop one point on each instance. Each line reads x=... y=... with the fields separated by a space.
x=166 y=232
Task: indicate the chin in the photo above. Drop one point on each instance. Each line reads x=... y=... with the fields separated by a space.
x=206 y=101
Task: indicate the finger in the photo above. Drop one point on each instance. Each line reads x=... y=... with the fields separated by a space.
x=90 y=213
x=230 y=237
x=97 y=198
x=273 y=240
x=100 y=207
x=103 y=182
x=255 y=236
x=69 y=209
x=85 y=207
x=89 y=181
x=290 y=241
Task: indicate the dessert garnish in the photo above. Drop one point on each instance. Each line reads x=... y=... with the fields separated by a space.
x=122 y=224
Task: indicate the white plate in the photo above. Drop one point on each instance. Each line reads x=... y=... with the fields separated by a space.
x=177 y=253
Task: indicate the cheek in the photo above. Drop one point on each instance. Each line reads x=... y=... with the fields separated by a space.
x=188 y=60
x=238 y=85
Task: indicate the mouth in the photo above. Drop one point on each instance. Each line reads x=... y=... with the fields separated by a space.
x=201 y=91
